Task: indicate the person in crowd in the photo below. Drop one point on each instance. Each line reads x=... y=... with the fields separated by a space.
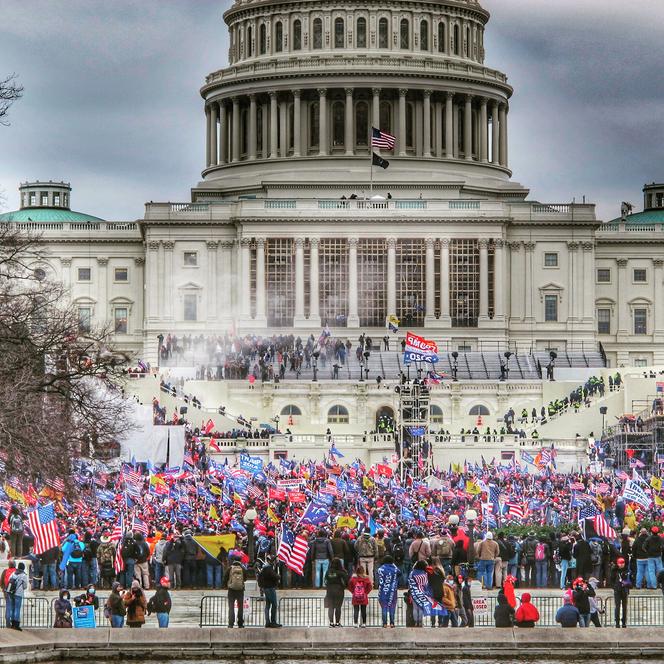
x=366 y=550
x=234 y=581
x=158 y=561
x=487 y=552
x=5 y=551
x=63 y=610
x=4 y=582
x=115 y=609
x=160 y=603
x=15 y=591
x=503 y=613
x=360 y=585
x=189 y=561
x=88 y=598
x=141 y=566
x=527 y=614
x=336 y=582
x=654 y=547
x=388 y=586
x=583 y=555
x=128 y=552
x=106 y=560
x=16 y=531
x=72 y=560
x=565 y=556
x=621 y=582
x=173 y=559
x=321 y=553
x=450 y=603
x=90 y=569
x=568 y=615
x=436 y=581
x=418 y=591
x=467 y=600
x=528 y=548
x=542 y=555
x=136 y=605
x=581 y=595
x=268 y=581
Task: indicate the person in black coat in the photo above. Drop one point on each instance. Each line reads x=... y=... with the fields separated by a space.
x=503 y=614
x=581 y=595
x=583 y=555
x=336 y=582
x=621 y=583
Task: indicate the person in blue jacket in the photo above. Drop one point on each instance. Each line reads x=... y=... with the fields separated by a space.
x=568 y=615
x=71 y=564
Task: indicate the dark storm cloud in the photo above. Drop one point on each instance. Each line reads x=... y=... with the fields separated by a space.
x=111 y=96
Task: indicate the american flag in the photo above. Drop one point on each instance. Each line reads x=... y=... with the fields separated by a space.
x=515 y=510
x=602 y=527
x=44 y=528
x=255 y=493
x=293 y=551
x=130 y=476
x=588 y=512
x=381 y=139
x=116 y=536
x=139 y=526
x=56 y=484
x=577 y=486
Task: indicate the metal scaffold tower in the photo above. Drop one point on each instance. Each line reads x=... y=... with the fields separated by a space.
x=413 y=429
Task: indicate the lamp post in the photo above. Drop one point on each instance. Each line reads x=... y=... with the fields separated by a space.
x=507 y=354
x=249 y=517
x=367 y=354
x=603 y=410
x=552 y=355
x=455 y=366
x=315 y=355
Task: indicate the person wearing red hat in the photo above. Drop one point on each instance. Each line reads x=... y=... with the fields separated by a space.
x=160 y=603
x=621 y=583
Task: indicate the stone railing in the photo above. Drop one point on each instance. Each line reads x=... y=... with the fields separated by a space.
x=78 y=227
x=621 y=227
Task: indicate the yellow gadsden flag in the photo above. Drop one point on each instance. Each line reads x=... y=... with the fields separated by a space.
x=656 y=483
x=346 y=522
x=473 y=488
x=214 y=543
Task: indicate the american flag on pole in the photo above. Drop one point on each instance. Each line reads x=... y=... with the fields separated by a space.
x=139 y=526
x=116 y=536
x=515 y=510
x=44 y=528
x=293 y=551
x=382 y=140
x=602 y=527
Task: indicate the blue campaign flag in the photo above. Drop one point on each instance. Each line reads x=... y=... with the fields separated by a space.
x=417 y=356
x=105 y=496
x=285 y=463
x=374 y=526
x=106 y=513
x=335 y=450
x=407 y=514
x=251 y=464
x=260 y=478
x=237 y=526
x=527 y=457
x=417 y=431
x=342 y=485
x=326 y=498
x=316 y=513
x=129 y=501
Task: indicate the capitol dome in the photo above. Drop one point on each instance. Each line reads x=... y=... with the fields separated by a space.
x=306 y=82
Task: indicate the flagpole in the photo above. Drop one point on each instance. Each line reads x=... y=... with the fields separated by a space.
x=371 y=164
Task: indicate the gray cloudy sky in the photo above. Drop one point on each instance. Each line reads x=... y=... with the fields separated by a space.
x=111 y=96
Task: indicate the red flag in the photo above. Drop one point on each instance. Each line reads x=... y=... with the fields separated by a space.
x=383 y=470
x=209 y=427
x=297 y=497
x=276 y=494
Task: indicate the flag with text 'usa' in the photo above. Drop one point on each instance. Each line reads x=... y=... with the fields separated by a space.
x=44 y=528
x=381 y=139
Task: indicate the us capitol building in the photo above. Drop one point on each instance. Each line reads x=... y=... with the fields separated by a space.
x=289 y=229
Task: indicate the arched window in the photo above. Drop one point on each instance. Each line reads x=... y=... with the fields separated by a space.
x=467 y=46
x=262 y=39
x=318 y=33
x=383 y=39
x=338 y=415
x=455 y=44
x=385 y=419
x=441 y=37
x=410 y=126
x=250 y=47
x=424 y=35
x=386 y=117
x=479 y=410
x=291 y=409
x=361 y=33
x=405 y=33
x=313 y=125
x=339 y=40
x=338 y=120
x=436 y=414
x=279 y=36
x=362 y=123
x=297 y=35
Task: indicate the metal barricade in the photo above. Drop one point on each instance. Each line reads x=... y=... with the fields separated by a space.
x=35 y=613
x=100 y=621
x=642 y=610
x=214 y=611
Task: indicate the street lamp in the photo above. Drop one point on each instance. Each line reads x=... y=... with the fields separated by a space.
x=367 y=354
x=315 y=355
x=505 y=369
x=549 y=370
x=455 y=366
x=603 y=410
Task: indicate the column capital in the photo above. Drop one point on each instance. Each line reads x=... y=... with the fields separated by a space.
x=515 y=246
x=260 y=242
x=272 y=94
x=588 y=246
x=139 y=260
x=353 y=242
x=622 y=263
x=483 y=101
x=313 y=241
x=427 y=93
x=449 y=94
x=375 y=91
x=252 y=96
x=65 y=262
x=657 y=262
x=391 y=242
x=227 y=244
x=169 y=245
x=529 y=246
x=153 y=245
x=322 y=92
x=483 y=243
x=444 y=241
x=102 y=260
x=212 y=245
x=235 y=99
x=403 y=92
x=299 y=242
x=245 y=241
x=573 y=246
x=468 y=98
x=349 y=92
x=429 y=242
x=499 y=243
x=297 y=93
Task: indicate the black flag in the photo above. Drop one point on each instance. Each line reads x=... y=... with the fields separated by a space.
x=379 y=161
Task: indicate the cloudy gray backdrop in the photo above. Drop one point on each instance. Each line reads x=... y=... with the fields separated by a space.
x=111 y=96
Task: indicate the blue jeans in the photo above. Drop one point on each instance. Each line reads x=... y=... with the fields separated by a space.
x=388 y=612
x=117 y=621
x=564 y=566
x=162 y=619
x=270 y=605
x=541 y=573
x=485 y=572
x=159 y=570
x=214 y=576
x=451 y=616
x=513 y=569
x=585 y=620
x=50 y=577
x=90 y=572
x=129 y=572
x=321 y=569
x=74 y=575
x=654 y=568
x=15 y=602
x=641 y=572
x=8 y=614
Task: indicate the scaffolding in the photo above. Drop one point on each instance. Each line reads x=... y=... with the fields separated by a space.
x=413 y=418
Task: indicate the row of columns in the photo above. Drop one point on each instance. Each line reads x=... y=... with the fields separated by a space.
x=223 y=119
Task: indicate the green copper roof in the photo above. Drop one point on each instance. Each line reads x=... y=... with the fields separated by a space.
x=46 y=214
x=647 y=217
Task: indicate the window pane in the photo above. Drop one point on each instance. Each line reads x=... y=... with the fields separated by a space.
x=121 y=274
x=551 y=308
x=640 y=321
x=640 y=275
x=382 y=33
x=84 y=274
x=441 y=37
x=362 y=123
x=297 y=35
x=280 y=278
x=338 y=120
x=190 y=258
x=190 y=307
x=279 y=36
x=361 y=33
x=333 y=261
x=84 y=319
x=339 y=33
x=262 y=39
x=120 y=318
x=603 y=275
x=464 y=283
x=551 y=260
x=318 y=33
x=424 y=36
x=604 y=321
x=405 y=33
x=372 y=282
x=314 y=136
x=410 y=258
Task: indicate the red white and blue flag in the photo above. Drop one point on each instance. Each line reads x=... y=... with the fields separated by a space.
x=44 y=528
x=293 y=551
x=382 y=140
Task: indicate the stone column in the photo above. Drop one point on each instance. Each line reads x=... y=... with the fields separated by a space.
x=261 y=314
x=574 y=295
x=314 y=288
x=402 y=121
x=484 y=280
x=139 y=314
x=245 y=280
x=161 y=282
x=588 y=283
x=323 y=140
x=283 y=133
x=375 y=108
x=214 y=116
x=624 y=326
x=529 y=249
x=208 y=136
x=102 y=269
x=391 y=276
x=430 y=299
x=212 y=279
x=503 y=135
x=348 y=129
x=223 y=133
x=658 y=276
x=449 y=125
x=353 y=317
x=468 y=128
x=438 y=113
x=237 y=128
x=169 y=294
x=152 y=282
x=297 y=123
x=445 y=318
x=274 y=126
x=252 y=127
x=498 y=281
x=265 y=122
x=495 y=134
x=426 y=125
x=483 y=151
x=225 y=281
x=299 y=319
x=517 y=272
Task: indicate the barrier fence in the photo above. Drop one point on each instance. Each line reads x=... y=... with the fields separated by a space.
x=35 y=613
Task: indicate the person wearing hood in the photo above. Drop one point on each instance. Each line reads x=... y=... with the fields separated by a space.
x=63 y=610
x=568 y=615
x=436 y=582
x=16 y=587
x=72 y=560
x=581 y=596
x=4 y=581
x=593 y=582
x=141 y=567
x=173 y=559
x=160 y=603
x=136 y=605
x=527 y=614
x=320 y=551
x=158 y=559
x=90 y=569
x=88 y=598
x=388 y=586
x=503 y=614
x=114 y=608
x=106 y=561
x=654 y=546
x=128 y=553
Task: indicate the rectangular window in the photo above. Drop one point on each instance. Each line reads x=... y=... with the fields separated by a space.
x=191 y=258
x=190 y=307
x=603 y=275
x=604 y=321
x=640 y=275
x=551 y=260
x=120 y=319
x=640 y=362
x=464 y=348
x=44 y=199
x=640 y=321
x=84 y=319
x=33 y=199
x=84 y=274
x=121 y=274
x=56 y=200
x=551 y=308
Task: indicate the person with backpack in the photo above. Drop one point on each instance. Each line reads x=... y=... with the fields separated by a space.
x=442 y=548
x=360 y=585
x=541 y=563
x=397 y=549
x=234 y=580
x=320 y=551
x=565 y=557
x=420 y=548
x=505 y=553
x=128 y=553
x=336 y=582
x=173 y=559
x=16 y=532
x=4 y=582
x=106 y=561
x=72 y=560
x=141 y=566
x=89 y=568
x=115 y=609
x=189 y=563
x=15 y=591
x=487 y=552
x=367 y=550
x=596 y=554
x=160 y=603
x=268 y=582
x=49 y=564
x=528 y=559
x=388 y=586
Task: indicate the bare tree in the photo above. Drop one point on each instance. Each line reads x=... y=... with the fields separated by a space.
x=61 y=388
x=10 y=91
